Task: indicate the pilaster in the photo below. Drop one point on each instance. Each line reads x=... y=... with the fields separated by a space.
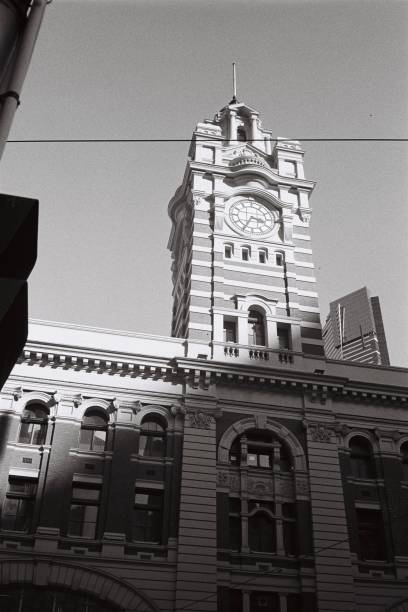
x=196 y=587
x=334 y=578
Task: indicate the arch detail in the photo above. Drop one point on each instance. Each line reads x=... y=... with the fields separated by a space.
x=103 y=405
x=34 y=397
x=360 y=433
x=153 y=410
x=401 y=441
x=97 y=583
x=280 y=431
x=257 y=302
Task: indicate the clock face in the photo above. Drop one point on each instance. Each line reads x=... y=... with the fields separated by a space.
x=251 y=218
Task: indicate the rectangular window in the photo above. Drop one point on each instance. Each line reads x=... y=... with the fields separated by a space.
x=283 y=336
x=148 y=516
x=227 y=251
x=92 y=439
x=83 y=517
x=245 y=254
x=279 y=259
x=230 y=331
x=371 y=537
x=18 y=507
x=262 y=257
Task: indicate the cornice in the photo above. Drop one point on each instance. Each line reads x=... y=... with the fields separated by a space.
x=198 y=373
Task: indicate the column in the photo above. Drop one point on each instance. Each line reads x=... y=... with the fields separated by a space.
x=232 y=125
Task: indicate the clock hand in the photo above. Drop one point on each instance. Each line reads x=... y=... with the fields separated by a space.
x=249 y=220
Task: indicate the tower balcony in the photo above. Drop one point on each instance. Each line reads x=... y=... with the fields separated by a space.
x=260 y=355
x=248 y=160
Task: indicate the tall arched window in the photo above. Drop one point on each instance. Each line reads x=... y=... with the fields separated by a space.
x=256 y=328
x=34 y=422
x=152 y=441
x=361 y=458
x=404 y=460
x=93 y=430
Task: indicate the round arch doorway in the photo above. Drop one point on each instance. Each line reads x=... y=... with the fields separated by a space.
x=20 y=598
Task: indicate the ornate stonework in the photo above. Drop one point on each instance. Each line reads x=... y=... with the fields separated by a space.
x=200 y=420
x=320 y=432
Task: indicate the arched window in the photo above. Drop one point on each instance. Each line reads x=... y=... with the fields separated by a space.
x=241 y=134
x=255 y=448
x=404 y=460
x=261 y=531
x=361 y=458
x=152 y=441
x=93 y=430
x=256 y=328
x=33 y=428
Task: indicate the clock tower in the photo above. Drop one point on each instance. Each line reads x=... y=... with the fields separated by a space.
x=243 y=273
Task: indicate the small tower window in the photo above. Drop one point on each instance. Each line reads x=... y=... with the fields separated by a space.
x=262 y=256
x=241 y=134
x=230 y=331
x=245 y=254
x=283 y=332
x=227 y=251
x=256 y=328
x=279 y=259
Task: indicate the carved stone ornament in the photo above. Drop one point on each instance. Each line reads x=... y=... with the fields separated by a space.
x=260 y=487
x=302 y=487
x=222 y=479
x=320 y=433
x=284 y=487
x=200 y=420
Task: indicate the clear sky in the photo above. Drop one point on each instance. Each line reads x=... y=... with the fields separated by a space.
x=143 y=69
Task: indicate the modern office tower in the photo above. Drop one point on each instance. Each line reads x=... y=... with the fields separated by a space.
x=231 y=467
x=354 y=329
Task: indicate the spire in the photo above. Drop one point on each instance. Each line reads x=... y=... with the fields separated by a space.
x=234 y=84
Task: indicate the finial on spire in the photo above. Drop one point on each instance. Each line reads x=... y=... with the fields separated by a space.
x=234 y=84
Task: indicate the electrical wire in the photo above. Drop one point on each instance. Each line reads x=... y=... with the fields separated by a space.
x=145 y=140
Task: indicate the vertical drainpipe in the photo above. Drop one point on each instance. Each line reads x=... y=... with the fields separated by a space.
x=10 y=97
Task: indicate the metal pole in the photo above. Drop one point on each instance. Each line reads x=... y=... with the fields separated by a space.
x=22 y=61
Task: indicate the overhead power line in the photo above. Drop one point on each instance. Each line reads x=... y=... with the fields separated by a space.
x=119 y=140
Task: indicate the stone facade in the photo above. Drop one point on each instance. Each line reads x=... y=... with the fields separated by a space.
x=229 y=468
